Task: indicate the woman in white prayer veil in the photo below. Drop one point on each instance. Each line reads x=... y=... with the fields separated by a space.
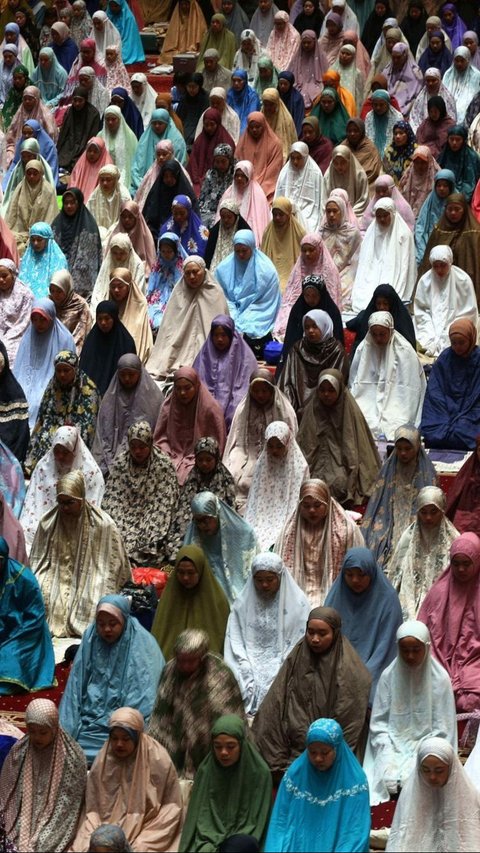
x=462 y=80
x=423 y=551
x=302 y=182
x=230 y=119
x=68 y=452
x=387 y=255
x=414 y=699
x=266 y=620
x=444 y=294
x=386 y=378
x=439 y=807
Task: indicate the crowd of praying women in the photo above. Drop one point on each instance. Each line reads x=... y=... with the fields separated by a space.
x=239 y=316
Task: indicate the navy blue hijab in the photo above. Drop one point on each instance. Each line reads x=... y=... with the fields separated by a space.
x=129 y=110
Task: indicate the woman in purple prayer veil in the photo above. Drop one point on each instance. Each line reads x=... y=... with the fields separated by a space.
x=225 y=364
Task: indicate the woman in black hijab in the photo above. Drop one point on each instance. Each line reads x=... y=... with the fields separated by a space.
x=374 y=24
x=309 y=18
x=104 y=344
x=414 y=24
x=171 y=181
x=314 y=295
x=14 y=431
x=384 y=298
x=81 y=123
x=191 y=106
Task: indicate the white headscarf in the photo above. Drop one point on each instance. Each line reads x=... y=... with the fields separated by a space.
x=463 y=86
x=108 y=36
x=446 y=818
x=42 y=493
x=145 y=102
x=305 y=188
x=261 y=632
x=410 y=703
x=275 y=487
x=387 y=256
x=388 y=382
x=440 y=301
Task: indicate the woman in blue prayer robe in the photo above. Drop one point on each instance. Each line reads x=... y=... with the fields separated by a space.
x=118 y=665
x=123 y=19
x=26 y=653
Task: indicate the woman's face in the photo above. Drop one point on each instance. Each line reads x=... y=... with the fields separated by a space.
x=107 y=184
x=463 y=568
x=354 y=134
x=194 y=275
x=139 y=451
x=432 y=85
x=436 y=44
x=382 y=304
x=207 y=524
x=255 y=130
x=310 y=253
x=105 y=322
x=65 y=375
x=227 y=750
x=128 y=220
x=121 y=744
x=311 y=296
x=113 y=123
x=185 y=391
x=38 y=244
x=180 y=214
x=128 y=377
x=19 y=80
x=276 y=449
x=430 y=516
x=70 y=204
x=400 y=137
x=284 y=87
x=7 y=280
x=39 y=736
x=221 y=163
x=92 y=154
x=311 y=331
x=266 y=583
x=454 y=212
x=441 y=268
x=242 y=252
x=434 y=771
x=205 y=462
x=227 y=218
x=187 y=574
x=118 y=290
x=460 y=344
x=220 y=338
x=383 y=218
x=296 y=160
x=163 y=155
x=313 y=510
x=327 y=394
x=327 y=103
x=333 y=214
x=308 y=44
x=262 y=393
x=357 y=580
x=308 y=133
x=443 y=188
x=119 y=256
x=346 y=58
x=405 y=451
x=460 y=64
x=379 y=106
x=240 y=179
x=40 y=323
x=280 y=218
x=108 y=627
x=167 y=252
x=411 y=651
x=319 y=636
x=321 y=755
x=111 y=58
x=33 y=176
x=380 y=335
x=158 y=127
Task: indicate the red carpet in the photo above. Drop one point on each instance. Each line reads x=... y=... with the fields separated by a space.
x=12 y=708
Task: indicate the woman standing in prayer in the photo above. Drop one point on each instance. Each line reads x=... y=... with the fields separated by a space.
x=252 y=202
x=72 y=310
x=433 y=131
x=278 y=475
x=417 y=180
x=432 y=210
x=422 y=550
x=42 y=341
x=217 y=180
x=32 y=202
x=193 y=598
x=444 y=295
x=225 y=364
x=14 y=431
x=208 y=474
x=317 y=350
x=464 y=495
x=85 y=173
x=76 y=232
x=117 y=661
x=196 y=688
x=319 y=147
x=455 y=423
x=363 y=149
x=188 y=414
x=331 y=114
x=315 y=259
x=449 y=611
x=281 y=238
x=383 y=355
x=263 y=404
x=362 y=595
x=253 y=651
x=392 y=506
x=283 y=41
x=414 y=700
x=232 y=781
x=81 y=123
x=439 y=804
x=26 y=653
x=308 y=65
x=69 y=398
x=313 y=541
x=337 y=442
x=343 y=240
x=43 y=782
x=41 y=260
x=131 y=396
x=106 y=200
x=119 y=253
x=301 y=182
x=323 y=674
x=73 y=578
x=228 y=542
x=137 y=479
x=132 y=784
x=107 y=341
x=322 y=801
x=67 y=452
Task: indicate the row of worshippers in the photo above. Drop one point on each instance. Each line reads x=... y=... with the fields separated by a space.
x=319 y=664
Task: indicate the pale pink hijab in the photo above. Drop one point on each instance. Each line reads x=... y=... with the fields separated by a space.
x=84 y=174
x=140 y=236
x=309 y=69
x=451 y=612
x=252 y=202
x=324 y=266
